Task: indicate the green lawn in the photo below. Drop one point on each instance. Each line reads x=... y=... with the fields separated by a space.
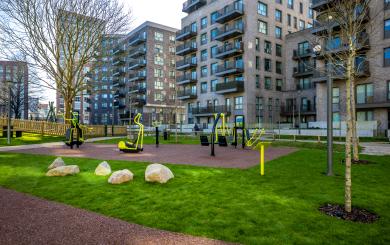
x=228 y=204
x=29 y=138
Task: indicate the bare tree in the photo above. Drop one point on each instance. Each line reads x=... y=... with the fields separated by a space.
x=347 y=56
x=60 y=37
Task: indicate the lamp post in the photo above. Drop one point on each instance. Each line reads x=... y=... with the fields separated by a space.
x=9 y=115
x=329 y=131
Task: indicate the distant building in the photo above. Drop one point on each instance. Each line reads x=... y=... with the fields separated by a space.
x=16 y=72
x=33 y=108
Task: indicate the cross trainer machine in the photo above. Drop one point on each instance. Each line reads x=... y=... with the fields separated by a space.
x=137 y=145
x=74 y=135
x=239 y=124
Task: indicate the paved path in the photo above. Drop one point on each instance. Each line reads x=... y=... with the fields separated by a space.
x=376 y=148
x=227 y=157
x=25 y=219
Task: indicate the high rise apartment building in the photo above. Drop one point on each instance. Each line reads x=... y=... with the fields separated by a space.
x=372 y=69
x=232 y=56
x=144 y=74
x=14 y=74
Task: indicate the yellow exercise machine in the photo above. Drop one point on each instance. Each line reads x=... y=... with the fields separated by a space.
x=261 y=147
x=256 y=136
x=221 y=131
x=75 y=134
x=137 y=145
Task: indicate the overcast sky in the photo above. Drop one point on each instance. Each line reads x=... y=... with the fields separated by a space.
x=166 y=12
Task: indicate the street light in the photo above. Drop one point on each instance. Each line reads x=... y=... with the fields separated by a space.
x=329 y=124
x=9 y=112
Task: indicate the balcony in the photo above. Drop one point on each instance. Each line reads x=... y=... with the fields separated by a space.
x=230 y=68
x=118 y=51
x=118 y=104
x=373 y=103
x=137 y=64
x=229 y=50
x=305 y=86
x=303 y=71
x=186 y=33
x=295 y=110
x=211 y=110
x=302 y=53
x=138 y=89
x=363 y=69
x=138 y=39
x=118 y=61
x=137 y=52
x=120 y=94
x=230 y=12
x=137 y=76
x=229 y=31
x=186 y=64
x=186 y=79
x=320 y=5
x=230 y=87
x=118 y=73
x=118 y=82
x=186 y=48
x=186 y=95
x=140 y=101
x=191 y=5
x=387 y=6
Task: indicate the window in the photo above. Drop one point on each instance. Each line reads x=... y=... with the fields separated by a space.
x=158 y=84
x=278 y=50
x=213 y=17
x=257 y=63
x=364 y=116
x=158 y=36
x=364 y=93
x=172 y=39
x=158 y=73
x=386 y=56
x=295 y=22
x=158 y=96
x=270 y=104
x=267 y=65
x=158 y=48
x=335 y=97
x=203 y=22
x=262 y=9
x=278 y=67
x=263 y=27
x=301 y=8
x=257 y=81
x=203 y=55
x=203 y=87
x=158 y=60
x=336 y=116
x=213 y=85
x=290 y=4
x=203 y=71
x=257 y=43
x=213 y=34
x=279 y=84
x=203 y=39
x=267 y=83
x=388 y=90
x=387 y=28
x=213 y=68
x=194 y=27
x=238 y=103
x=301 y=25
x=310 y=13
x=303 y=48
x=214 y=51
x=278 y=15
x=267 y=47
x=305 y=104
x=278 y=32
x=304 y=83
x=279 y=1
x=288 y=19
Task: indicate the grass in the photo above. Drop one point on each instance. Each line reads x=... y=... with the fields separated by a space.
x=228 y=204
x=29 y=138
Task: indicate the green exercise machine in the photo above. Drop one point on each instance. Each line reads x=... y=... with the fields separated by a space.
x=137 y=145
x=74 y=135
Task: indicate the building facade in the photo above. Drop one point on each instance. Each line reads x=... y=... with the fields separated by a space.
x=17 y=73
x=144 y=74
x=233 y=56
x=372 y=75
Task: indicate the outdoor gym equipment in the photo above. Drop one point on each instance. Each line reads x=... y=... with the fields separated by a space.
x=74 y=135
x=261 y=147
x=256 y=136
x=157 y=124
x=222 y=131
x=239 y=124
x=137 y=145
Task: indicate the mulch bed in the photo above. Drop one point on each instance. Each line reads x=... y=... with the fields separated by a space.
x=356 y=215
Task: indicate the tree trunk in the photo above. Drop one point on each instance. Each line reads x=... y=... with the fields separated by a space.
x=348 y=141
x=355 y=137
x=68 y=108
